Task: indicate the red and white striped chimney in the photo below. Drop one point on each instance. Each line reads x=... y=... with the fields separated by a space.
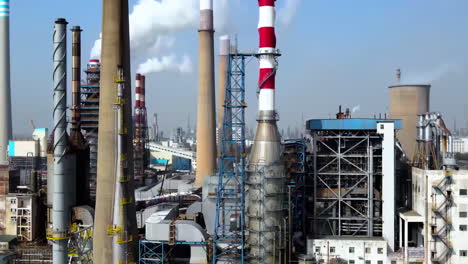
x=267 y=47
x=137 y=100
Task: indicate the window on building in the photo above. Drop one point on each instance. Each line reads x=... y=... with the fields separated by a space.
x=380 y=250
x=351 y=249
x=317 y=249
x=368 y=250
x=332 y=249
x=368 y=262
x=463 y=253
x=463 y=192
x=351 y=262
x=379 y=261
x=393 y=262
x=463 y=214
x=463 y=228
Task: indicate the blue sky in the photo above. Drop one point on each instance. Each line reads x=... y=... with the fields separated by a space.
x=334 y=52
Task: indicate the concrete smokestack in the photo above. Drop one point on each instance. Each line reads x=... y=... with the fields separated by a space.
x=206 y=124
x=5 y=92
x=224 y=50
x=61 y=196
x=266 y=171
x=115 y=52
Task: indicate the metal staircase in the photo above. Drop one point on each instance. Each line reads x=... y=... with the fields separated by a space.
x=442 y=202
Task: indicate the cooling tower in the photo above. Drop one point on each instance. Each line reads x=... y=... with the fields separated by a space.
x=406 y=103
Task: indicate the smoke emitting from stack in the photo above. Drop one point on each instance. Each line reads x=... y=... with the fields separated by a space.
x=5 y=92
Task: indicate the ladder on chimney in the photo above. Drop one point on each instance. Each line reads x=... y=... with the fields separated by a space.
x=230 y=196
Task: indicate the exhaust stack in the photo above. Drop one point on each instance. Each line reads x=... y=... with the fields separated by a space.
x=5 y=90
x=224 y=51
x=115 y=53
x=206 y=124
x=61 y=196
x=266 y=171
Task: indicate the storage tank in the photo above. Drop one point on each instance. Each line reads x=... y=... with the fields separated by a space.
x=406 y=103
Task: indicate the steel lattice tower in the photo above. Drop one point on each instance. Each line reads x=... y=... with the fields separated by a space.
x=230 y=198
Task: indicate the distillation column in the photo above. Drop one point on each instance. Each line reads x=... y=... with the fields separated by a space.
x=266 y=171
x=5 y=92
x=115 y=52
x=206 y=124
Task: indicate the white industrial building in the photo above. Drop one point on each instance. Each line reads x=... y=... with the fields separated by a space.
x=460 y=144
x=438 y=220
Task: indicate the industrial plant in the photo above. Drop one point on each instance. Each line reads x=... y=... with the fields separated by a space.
x=104 y=184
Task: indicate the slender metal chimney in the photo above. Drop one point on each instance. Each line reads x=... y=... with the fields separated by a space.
x=76 y=78
x=61 y=196
x=206 y=124
x=266 y=171
x=5 y=92
x=224 y=50
x=115 y=52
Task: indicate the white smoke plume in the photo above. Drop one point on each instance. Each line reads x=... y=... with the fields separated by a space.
x=96 y=49
x=287 y=12
x=166 y=63
x=430 y=76
x=355 y=109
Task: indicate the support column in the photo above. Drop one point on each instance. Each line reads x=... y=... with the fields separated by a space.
x=401 y=233
x=406 y=241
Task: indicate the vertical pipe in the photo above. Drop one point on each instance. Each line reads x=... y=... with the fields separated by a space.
x=224 y=50
x=5 y=92
x=206 y=124
x=61 y=203
x=115 y=51
x=121 y=237
x=76 y=77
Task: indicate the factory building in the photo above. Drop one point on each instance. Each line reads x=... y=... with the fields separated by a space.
x=350 y=201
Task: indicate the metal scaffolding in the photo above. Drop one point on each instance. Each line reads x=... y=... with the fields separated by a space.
x=295 y=158
x=89 y=112
x=160 y=252
x=229 y=237
x=347 y=183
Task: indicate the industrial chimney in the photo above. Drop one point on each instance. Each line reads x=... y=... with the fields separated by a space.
x=115 y=52
x=224 y=50
x=206 y=124
x=266 y=171
x=62 y=197
x=5 y=97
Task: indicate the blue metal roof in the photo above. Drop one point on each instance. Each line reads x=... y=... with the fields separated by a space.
x=349 y=124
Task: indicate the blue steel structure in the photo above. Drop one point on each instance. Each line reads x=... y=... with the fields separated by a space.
x=158 y=252
x=229 y=237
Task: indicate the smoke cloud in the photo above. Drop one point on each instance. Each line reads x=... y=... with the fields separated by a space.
x=356 y=108
x=166 y=63
x=154 y=25
x=287 y=12
x=430 y=76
